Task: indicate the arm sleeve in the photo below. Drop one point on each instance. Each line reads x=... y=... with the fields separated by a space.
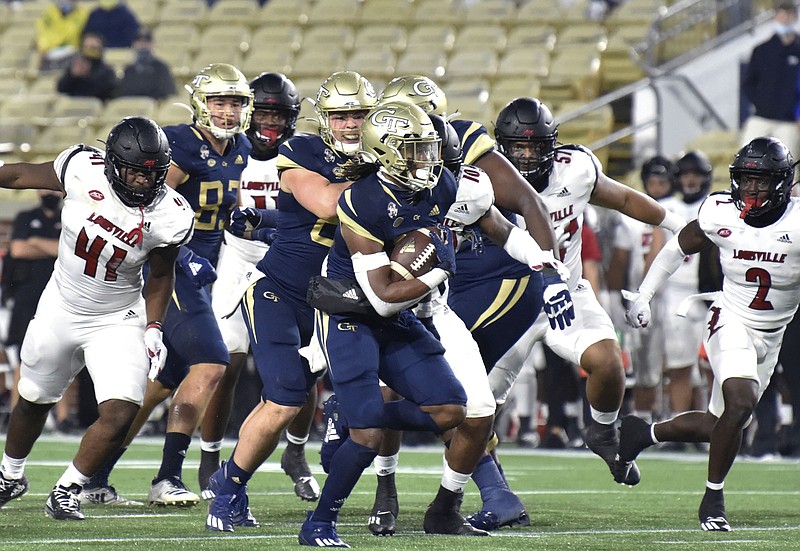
x=665 y=264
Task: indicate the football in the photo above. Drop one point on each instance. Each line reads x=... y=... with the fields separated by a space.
x=414 y=254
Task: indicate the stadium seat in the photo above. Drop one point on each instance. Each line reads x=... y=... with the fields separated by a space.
x=583 y=34
x=329 y=12
x=229 y=36
x=169 y=114
x=481 y=37
x=508 y=88
x=283 y=13
x=479 y=63
x=376 y=63
x=574 y=74
x=147 y=11
x=532 y=35
x=283 y=37
x=386 y=12
x=214 y=53
x=25 y=14
x=432 y=36
x=118 y=58
x=12 y=86
x=170 y=37
x=232 y=12
x=119 y=108
x=266 y=59
x=491 y=11
x=376 y=36
x=448 y=12
x=318 y=63
x=306 y=121
x=45 y=85
x=467 y=94
x=182 y=11
x=74 y=111
x=524 y=62
x=324 y=38
x=180 y=63
x=428 y=62
x=52 y=140
x=308 y=86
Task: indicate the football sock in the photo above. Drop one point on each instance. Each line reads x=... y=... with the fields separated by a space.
x=386 y=465
x=175 y=446
x=13 y=468
x=487 y=477
x=100 y=477
x=715 y=486
x=604 y=417
x=453 y=480
x=296 y=440
x=235 y=478
x=406 y=415
x=347 y=464
x=72 y=476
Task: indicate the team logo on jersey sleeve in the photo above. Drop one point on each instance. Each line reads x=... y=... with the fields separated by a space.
x=204 y=152
x=97 y=195
x=391 y=210
x=724 y=232
x=329 y=156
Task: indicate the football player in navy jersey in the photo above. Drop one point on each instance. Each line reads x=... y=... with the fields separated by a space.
x=207 y=162
x=516 y=289
x=279 y=320
x=276 y=105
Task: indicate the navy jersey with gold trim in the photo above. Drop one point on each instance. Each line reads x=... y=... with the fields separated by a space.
x=213 y=183
x=382 y=212
x=493 y=261
x=303 y=238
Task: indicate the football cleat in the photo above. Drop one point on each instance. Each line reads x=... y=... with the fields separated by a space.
x=383 y=517
x=240 y=514
x=447 y=520
x=63 y=503
x=336 y=431
x=12 y=488
x=319 y=534
x=715 y=524
x=104 y=495
x=503 y=508
x=295 y=465
x=207 y=468
x=603 y=441
x=634 y=436
x=712 y=512
x=171 y=492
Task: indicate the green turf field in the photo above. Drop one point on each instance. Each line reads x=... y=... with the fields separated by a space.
x=573 y=502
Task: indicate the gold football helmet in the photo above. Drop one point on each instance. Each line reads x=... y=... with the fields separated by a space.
x=419 y=90
x=342 y=91
x=401 y=139
x=220 y=79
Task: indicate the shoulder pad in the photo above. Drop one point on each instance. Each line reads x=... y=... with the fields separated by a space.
x=474 y=197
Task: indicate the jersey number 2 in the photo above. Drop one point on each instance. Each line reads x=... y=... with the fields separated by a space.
x=764 y=280
x=90 y=252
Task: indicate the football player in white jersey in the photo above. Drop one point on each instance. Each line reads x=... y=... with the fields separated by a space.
x=569 y=177
x=118 y=215
x=682 y=335
x=755 y=225
x=276 y=105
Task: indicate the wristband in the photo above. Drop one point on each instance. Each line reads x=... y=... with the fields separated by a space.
x=434 y=277
x=156 y=324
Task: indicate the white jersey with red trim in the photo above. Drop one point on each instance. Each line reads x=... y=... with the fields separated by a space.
x=688 y=275
x=259 y=188
x=104 y=243
x=761 y=265
x=570 y=186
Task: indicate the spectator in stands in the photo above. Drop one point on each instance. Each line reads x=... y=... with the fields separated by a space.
x=146 y=75
x=58 y=33
x=87 y=73
x=770 y=83
x=114 y=21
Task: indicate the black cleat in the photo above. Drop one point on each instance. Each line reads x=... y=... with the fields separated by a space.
x=11 y=489
x=634 y=437
x=712 y=512
x=295 y=465
x=383 y=517
x=63 y=503
x=207 y=468
x=443 y=516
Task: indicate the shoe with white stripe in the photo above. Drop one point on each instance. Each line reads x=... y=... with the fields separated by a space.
x=240 y=512
x=104 y=495
x=63 y=503
x=319 y=534
x=12 y=488
x=715 y=524
x=171 y=492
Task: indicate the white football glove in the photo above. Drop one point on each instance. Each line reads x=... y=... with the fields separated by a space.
x=638 y=313
x=156 y=351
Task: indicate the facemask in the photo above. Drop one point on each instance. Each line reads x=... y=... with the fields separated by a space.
x=784 y=30
x=50 y=202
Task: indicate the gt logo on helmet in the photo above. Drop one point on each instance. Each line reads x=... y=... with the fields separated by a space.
x=384 y=116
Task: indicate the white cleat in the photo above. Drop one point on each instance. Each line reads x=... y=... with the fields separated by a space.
x=171 y=492
x=104 y=495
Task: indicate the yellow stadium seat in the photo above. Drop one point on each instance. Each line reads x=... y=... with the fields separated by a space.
x=491 y=11
x=325 y=38
x=524 y=62
x=52 y=140
x=283 y=13
x=386 y=12
x=318 y=63
x=172 y=36
x=377 y=63
x=183 y=11
x=437 y=36
x=449 y=12
x=147 y=11
x=378 y=36
x=72 y=111
x=232 y=36
x=429 y=63
x=169 y=114
x=510 y=88
x=209 y=54
x=266 y=59
x=479 y=63
x=583 y=34
x=130 y=106
x=232 y=12
x=531 y=35
x=283 y=37
x=329 y=12
x=481 y=37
